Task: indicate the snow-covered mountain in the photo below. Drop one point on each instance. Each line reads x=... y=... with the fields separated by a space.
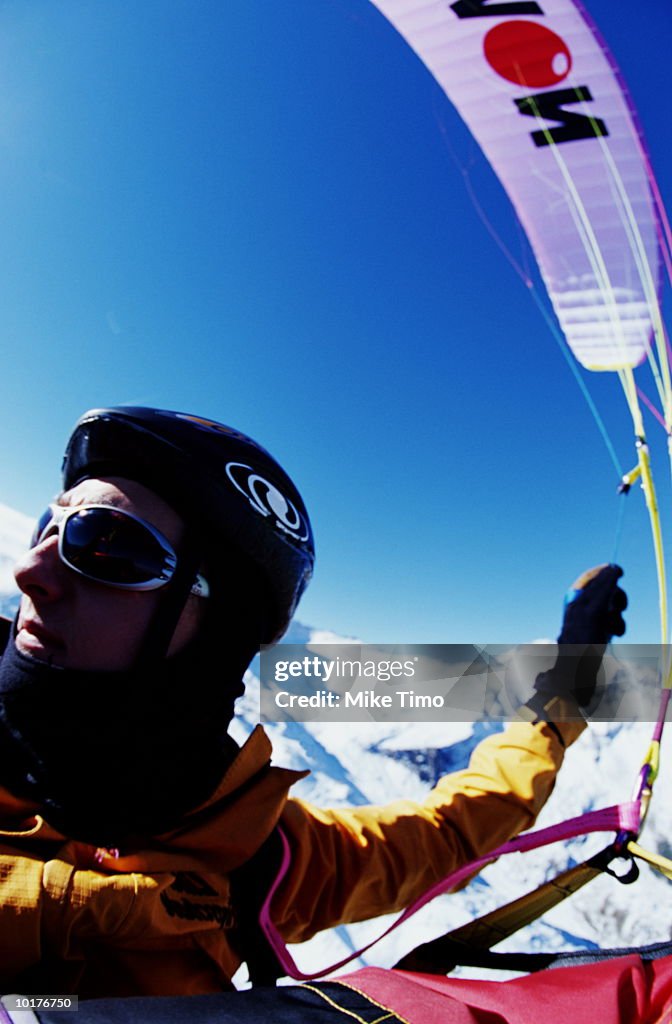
x=15 y=532
x=367 y=762
x=376 y=762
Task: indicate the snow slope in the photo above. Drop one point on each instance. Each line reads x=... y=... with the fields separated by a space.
x=15 y=532
x=375 y=762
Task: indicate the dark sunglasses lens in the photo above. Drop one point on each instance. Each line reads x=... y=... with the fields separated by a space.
x=110 y=547
x=40 y=526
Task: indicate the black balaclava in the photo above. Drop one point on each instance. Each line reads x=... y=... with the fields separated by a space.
x=111 y=757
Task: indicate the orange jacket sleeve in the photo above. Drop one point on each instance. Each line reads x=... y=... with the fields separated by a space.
x=356 y=863
x=52 y=913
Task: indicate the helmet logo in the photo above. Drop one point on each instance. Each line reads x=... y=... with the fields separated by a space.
x=266 y=499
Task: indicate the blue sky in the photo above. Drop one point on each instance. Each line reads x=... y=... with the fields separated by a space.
x=255 y=211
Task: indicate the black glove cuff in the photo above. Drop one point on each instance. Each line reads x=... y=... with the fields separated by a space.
x=542 y=707
x=576 y=674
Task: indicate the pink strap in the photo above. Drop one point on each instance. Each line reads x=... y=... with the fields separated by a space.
x=620 y=818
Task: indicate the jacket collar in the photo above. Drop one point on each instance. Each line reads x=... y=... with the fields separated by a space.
x=219 y=835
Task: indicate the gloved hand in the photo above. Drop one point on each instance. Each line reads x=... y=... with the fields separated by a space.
x=594 y=607
x=593 y=614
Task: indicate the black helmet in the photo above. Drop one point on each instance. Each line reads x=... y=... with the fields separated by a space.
x=219 y=480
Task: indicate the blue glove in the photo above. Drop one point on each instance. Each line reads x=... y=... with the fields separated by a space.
x=593 y=614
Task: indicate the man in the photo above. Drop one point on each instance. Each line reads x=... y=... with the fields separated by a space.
x=127 y=814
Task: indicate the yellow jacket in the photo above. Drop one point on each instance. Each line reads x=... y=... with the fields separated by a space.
x=159 y=920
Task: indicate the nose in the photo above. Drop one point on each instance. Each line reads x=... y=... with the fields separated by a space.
x=40 y=572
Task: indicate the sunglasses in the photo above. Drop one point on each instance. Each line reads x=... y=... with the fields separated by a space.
x=113 y=547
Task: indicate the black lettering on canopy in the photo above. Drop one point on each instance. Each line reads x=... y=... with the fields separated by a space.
x=572 y=125
x=483 y=9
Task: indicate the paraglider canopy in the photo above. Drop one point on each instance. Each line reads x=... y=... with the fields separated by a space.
x=541 y=95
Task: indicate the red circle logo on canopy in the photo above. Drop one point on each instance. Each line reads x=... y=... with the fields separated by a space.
x=527 y=53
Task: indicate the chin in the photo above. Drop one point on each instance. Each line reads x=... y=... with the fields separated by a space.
x=31 y=647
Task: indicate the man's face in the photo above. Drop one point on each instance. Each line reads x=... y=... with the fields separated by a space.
x=70 y=621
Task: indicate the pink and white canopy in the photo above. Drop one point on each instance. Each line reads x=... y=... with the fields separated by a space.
x=541 y=94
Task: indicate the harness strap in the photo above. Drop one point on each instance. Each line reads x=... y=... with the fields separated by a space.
x=248 y=889
x=461 y=945
x=532 y=962
x=622 y=818
x=662 y=864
